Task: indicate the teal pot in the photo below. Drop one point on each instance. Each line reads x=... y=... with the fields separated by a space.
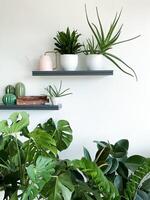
x=9 y=99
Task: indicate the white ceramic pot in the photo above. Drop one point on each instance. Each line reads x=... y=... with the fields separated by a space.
x=69 y=61
x=94 y=61
x=45 y=63
x=54 y=100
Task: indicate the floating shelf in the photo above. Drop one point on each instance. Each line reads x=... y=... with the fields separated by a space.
x=30 y=107
x=73 y=73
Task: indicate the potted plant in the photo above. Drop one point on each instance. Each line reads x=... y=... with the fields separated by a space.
x=67 y=44
x=94 y=58
x=54 y=93
x=31 y=169
x=106 y=41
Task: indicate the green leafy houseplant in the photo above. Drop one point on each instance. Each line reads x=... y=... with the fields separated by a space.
x=130 y=175
x=32 y=169
x=67 y=42
x=91 y=47
x=56 y=92
x=68 y=45
x=106 y=41
x=26 y=167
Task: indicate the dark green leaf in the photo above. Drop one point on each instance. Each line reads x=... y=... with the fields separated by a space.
x=39 y=175
x=134 y=162
x=87 y=154
x=118 y=182
x=114 y=166
x=123 y=170
x=143 y=195
x=43 y=140
x=63 y=135
x=146 y=185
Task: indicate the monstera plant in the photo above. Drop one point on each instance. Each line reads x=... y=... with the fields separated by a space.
x=25 y=167
x=31 y=169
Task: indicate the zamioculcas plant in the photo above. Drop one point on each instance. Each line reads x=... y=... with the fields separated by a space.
x=130 y=175
x=107 y=40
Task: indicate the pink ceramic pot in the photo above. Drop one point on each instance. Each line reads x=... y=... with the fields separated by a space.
x=45 y=63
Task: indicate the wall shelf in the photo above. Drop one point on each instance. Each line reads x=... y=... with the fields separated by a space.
x=73 y=73
x=30 y=107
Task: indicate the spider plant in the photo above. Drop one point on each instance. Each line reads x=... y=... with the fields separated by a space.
x=106 y=41
x=90 y=47
x=54 y=92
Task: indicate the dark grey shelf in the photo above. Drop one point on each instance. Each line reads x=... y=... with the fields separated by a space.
x=73 y=73
x=30 y=107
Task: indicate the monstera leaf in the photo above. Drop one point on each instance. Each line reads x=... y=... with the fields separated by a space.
x=63 y=135
x=61 y=132
x=16 y=122
x=61 y=187
x=43 y=140
x=39 y=175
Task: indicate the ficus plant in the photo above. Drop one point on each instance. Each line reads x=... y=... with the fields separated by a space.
x=31 y=169
x=105 y=41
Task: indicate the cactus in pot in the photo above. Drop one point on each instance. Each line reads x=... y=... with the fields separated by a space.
x=9 y=99
x=20 y=89
x=10 y=89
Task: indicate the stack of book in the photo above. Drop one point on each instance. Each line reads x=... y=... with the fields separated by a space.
x=32 y=100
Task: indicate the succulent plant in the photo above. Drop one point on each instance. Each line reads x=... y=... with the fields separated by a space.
x=67 y=42
x=54 y=91
x=91 y=47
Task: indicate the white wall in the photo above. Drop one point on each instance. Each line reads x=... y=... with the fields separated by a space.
x=101 y=108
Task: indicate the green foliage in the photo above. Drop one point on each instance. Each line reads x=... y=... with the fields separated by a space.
x=54 y=91
x=43 y=140
x=17 y=121
x=28 y=166
x=106 y=189
x=62 y=187
x=67 y=42
x=134 y=162
x=39 y=175
x=111 y=158
x=106 y=41
x=32 y=169
x=133 y=189
x=10 y=164
x=87 y=154
x=61 y=133
x=128 y=174
x=90 y=47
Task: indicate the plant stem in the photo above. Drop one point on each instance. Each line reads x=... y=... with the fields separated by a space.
x=19 y=159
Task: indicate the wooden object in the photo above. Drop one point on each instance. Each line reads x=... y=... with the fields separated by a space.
x=32 y=100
